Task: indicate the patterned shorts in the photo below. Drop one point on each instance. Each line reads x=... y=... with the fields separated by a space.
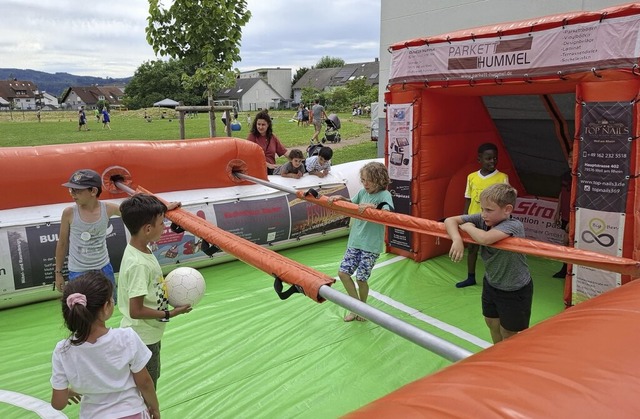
x=358 y=259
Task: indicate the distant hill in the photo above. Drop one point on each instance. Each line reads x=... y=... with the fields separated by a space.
x=55 y=84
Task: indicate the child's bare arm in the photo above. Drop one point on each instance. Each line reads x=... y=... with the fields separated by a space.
x=62 y=247
x=456 y=252
x=137 y=310
x=113 y=209
x=333 y=198
x=61 y=398
x=483 y=237
x=145 y=385
x=467 y=204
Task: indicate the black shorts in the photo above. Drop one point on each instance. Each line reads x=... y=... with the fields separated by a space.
x=513 y=308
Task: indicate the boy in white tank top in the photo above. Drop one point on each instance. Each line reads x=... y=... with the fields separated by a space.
x=83 y=230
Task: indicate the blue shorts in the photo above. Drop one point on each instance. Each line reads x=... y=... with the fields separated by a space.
x=358 y=259
x=107 y=270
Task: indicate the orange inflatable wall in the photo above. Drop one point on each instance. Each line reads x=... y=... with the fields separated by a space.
x=582 y=363
x=34 y=175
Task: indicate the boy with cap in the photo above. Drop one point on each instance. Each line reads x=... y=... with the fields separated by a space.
x=83 y=229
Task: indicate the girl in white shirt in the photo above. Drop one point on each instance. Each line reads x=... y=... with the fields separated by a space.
x=103 y=369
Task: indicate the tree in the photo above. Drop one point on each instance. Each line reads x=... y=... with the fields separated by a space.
x=299 y=73
x=156 y=80
x=340 y=99
x=360 y=92
x=309 y=94
x=330 y=62
x=204 y=34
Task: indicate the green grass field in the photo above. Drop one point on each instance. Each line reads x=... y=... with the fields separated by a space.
x=21 y=129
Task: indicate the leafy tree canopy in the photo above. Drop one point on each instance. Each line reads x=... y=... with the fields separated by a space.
x=156 y=80
x=205 y=34
x=329 y=62
x=299 y=73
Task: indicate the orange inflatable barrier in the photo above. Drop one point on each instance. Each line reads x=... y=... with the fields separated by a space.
x=582 y=363
x=36 y=174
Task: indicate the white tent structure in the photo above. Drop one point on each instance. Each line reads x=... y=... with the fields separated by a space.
x=166 y=103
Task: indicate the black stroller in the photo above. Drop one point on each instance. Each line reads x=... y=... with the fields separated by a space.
x=332 y=133
x=313 y=149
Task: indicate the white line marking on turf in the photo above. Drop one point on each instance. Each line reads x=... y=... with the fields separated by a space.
x=421 y=316
x=32 y=404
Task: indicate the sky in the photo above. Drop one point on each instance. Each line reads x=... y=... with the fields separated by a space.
x=107 y=38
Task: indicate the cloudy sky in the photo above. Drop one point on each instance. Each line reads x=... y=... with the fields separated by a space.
x=107 y=38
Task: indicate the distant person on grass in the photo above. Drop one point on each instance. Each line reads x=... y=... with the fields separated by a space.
x=106 y=119
x=317 y=119
x=82 y=119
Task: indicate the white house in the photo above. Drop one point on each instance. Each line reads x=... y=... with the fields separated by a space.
x=278 y=78
x=49 y=100
x=252 y=95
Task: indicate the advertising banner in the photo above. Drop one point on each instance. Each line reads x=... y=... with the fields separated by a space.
x=31 y=253
x=27 y=258
x=308 y=218
x=602 y=187
x=603 y=164
x=608 y=43
x=600 y=232
x=539 y=219
x=400 y=151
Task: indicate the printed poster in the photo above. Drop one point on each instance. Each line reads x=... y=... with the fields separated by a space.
x=602 y=188
x=309 y=218
x=603 y=164
x=601 y=232
x=400 y=152
x=173 y=248
x=539 y=219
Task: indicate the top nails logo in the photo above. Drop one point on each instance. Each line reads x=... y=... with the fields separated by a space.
x=596 y=233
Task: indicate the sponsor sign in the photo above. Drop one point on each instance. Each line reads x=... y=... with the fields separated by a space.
x=609 y=43
x=400 y=152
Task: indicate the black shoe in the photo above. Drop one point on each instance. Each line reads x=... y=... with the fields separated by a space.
x=562 y=272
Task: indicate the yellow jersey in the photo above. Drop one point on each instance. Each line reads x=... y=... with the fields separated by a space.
x=476 y=183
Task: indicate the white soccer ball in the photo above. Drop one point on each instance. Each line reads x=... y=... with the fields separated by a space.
x=185 y=286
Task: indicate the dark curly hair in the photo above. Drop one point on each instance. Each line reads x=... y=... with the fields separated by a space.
x=254 y=126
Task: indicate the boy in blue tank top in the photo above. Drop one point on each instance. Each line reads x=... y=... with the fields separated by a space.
x=83 y=230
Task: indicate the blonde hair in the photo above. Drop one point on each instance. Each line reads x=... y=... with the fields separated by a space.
x=377 y=174
x=501 y=194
